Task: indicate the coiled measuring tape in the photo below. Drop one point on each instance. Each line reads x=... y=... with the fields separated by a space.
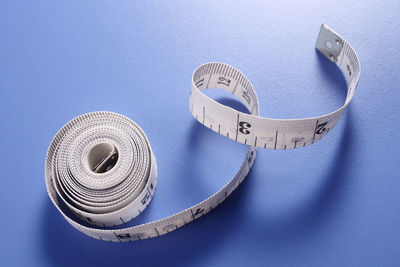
x=101 y=167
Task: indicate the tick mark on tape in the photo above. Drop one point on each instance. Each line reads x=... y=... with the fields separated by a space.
x=276 y=139
x=204 y=114
x=316 y=125
x=234 y=89
x=237 y=127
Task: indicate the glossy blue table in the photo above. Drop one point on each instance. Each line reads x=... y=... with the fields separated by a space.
x=335 y=203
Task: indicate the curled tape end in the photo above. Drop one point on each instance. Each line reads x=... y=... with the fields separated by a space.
x=329 y=43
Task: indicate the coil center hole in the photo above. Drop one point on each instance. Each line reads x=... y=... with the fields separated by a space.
x=102 y=157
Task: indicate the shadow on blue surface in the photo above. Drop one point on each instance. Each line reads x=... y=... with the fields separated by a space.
x=318 y=210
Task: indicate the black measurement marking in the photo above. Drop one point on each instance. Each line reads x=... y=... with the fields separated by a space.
x=158 y=234
x=265 y=145
x=321 y=128
x=219 y=128
x=304 y=144
x=348 y=69
x=276 y=139
x=285 y=147
x=122 y=220
x=211 y=126
x=316 y=125
x=101 y=238
x=145 y=198
x=224 y=81
x=199 y=83
x=255 y=142
x=295 y=144
x=244 y=127
x=227 y=134
x=198 y=211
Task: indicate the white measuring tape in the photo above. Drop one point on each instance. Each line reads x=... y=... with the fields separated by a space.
x=101 y=167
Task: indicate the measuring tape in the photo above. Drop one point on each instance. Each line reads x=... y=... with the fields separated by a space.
x=100 y=166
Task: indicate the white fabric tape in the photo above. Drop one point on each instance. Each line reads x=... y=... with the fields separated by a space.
x=100 y=165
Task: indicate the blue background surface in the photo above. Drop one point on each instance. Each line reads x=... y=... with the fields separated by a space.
x=333 y=203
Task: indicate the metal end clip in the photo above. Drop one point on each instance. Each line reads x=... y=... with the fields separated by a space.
x=329 y=43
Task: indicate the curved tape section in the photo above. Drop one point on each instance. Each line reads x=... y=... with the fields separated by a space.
x=124 y=190
x=266 y=132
